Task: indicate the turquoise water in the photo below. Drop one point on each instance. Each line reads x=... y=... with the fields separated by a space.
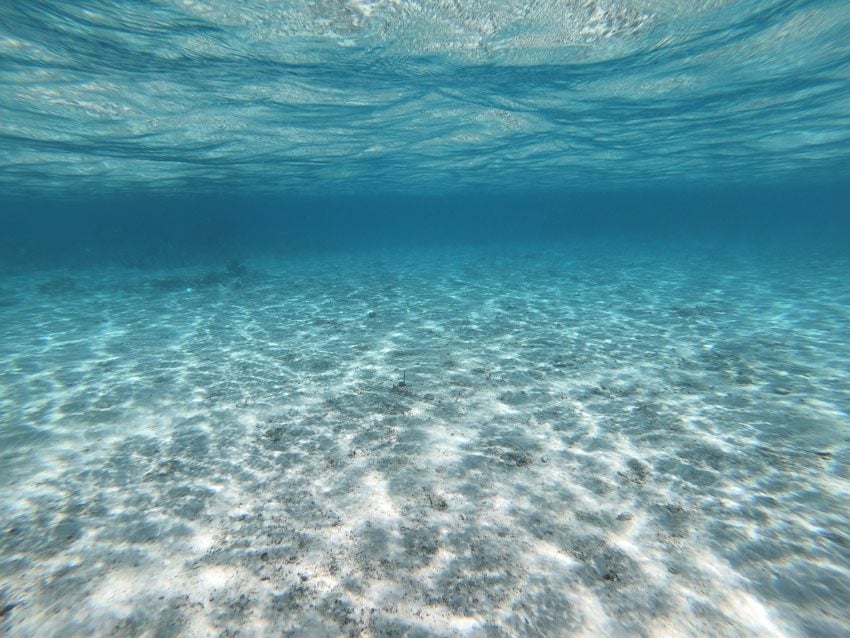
x=406 y=318
x=404 y=96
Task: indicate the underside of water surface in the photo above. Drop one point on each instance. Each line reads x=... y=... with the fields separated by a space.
x=392 y=95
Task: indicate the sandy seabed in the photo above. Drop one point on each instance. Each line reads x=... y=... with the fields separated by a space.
x=605 y=440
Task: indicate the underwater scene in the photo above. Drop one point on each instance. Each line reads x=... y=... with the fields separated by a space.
x=424 y=318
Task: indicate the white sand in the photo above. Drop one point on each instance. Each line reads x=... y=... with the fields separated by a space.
x=591 y=441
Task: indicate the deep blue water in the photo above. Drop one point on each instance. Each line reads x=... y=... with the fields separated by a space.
x=399 y=317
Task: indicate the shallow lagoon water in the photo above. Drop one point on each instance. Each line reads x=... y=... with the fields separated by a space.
x=405 y=318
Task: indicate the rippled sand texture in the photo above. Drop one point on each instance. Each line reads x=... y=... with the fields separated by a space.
x=599 y=440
